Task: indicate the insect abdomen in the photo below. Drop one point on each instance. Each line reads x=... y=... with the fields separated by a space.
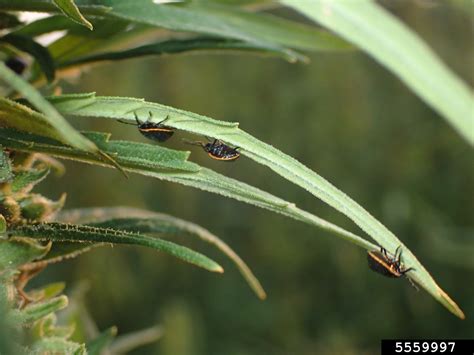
x=378 y=263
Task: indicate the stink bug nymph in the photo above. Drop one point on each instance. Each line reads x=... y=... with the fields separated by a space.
x=385 y=264
x=152 y=130
x=218 y=150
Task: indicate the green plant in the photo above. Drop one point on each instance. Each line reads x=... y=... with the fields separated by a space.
x=36 y=231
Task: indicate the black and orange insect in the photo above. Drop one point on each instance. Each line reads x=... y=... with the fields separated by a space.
x=385 y=264
x=218 y=150
x=156 y=131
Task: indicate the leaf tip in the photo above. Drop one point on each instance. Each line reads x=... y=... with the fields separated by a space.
x=262 y=295
x=451 y=305
x=217 y=268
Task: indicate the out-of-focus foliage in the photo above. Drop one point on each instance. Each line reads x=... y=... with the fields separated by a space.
x=344 y=117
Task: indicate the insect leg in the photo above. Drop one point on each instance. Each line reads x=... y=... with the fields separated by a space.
x=399 y=254
x=167 y=117
x=193 y=142
x=136 y=119
x=126 y=122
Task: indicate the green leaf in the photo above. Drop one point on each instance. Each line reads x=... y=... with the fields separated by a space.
x=226 y=21
x=205 y=18
x=52 y=289
x=50 y=123
x=282 y=164
x=57 y=345
x=46 y=25
x=130 y=154
x=200 y=44
x=19 y=251
x=65 y=250
x=25 y=180
x=109 y=33
x=78 y=41
x=5 y=167
x=78 y=233
x=200 y=178
x=101 y=342
x=70 y=10
x=147 y=222
x=130 y=341
x=36 y=50
x=395 y=46
x=36 y=311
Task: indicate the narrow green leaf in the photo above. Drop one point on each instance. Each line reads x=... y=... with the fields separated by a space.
x=22 y=118
x=65 y=250
x=98 y=345
x=205 y=18
x=130 y=154
x=108 y=34
x=130 y=341
x=205 y=180
x=57 y=345
x=5 y=167
x=147 y=222
x=79 y=41
x=395 y=46
x=46 y=25
x=36 y=311
x=206 y=44
x=25 y=180
x=36 y=50
x=200 y=178
x=227 y=21
x=19 y=251
x=52 y=289
x=79 y=233
x=70 y=9
x=50 y=122
x=282 y=164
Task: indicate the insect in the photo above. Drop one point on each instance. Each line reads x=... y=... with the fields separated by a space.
x=152 y=130
x=383 y=263
x=218 y=150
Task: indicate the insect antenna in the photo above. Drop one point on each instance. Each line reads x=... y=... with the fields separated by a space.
x=187 y=141
x=131 y=123
x=113 y=162
x=126 y=122
x=136 y=118
x=161 y=122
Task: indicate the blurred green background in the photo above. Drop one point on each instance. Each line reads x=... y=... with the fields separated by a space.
x=346 y=118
